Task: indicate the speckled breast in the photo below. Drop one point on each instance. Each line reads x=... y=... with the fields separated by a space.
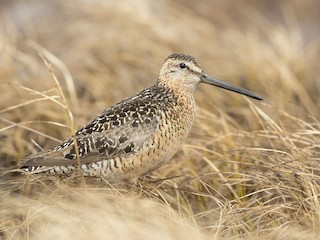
x=173 y=127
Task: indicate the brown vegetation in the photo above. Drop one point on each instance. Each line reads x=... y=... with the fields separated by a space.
x=248 y=169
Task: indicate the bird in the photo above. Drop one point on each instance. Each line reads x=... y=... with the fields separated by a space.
x=136 y=135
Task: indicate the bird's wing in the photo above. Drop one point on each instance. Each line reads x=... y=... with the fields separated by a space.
x=115 y=132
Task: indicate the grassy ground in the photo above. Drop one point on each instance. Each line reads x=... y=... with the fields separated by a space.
x=249 y=170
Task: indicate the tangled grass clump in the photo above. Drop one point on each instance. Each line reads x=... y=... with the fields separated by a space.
x=248 y=170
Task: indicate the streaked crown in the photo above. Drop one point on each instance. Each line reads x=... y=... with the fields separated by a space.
x=180 y=70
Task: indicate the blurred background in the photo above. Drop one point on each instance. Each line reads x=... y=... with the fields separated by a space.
x=113 y=49
x=239 y=150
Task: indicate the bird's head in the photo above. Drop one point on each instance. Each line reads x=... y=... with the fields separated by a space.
x=180 y=71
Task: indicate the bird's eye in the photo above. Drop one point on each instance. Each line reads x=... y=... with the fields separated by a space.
x=182 y=65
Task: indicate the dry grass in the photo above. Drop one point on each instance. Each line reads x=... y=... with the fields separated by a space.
x=249 y=170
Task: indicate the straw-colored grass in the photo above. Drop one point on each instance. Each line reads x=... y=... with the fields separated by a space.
x=248 y=170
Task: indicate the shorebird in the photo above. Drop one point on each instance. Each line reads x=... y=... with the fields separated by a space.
x=136 y=135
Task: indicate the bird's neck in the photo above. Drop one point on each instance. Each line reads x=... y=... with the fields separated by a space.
x=177 y=87
x=181 y=94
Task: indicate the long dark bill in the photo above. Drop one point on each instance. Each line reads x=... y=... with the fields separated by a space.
x=218 y=83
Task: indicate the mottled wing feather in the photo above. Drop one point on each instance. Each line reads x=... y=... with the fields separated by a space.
x=101 y=150
x=117 y=131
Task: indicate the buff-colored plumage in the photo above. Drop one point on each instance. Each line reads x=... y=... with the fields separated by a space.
x=136 y=135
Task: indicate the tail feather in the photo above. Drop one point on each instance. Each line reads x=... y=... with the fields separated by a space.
x=34 y=169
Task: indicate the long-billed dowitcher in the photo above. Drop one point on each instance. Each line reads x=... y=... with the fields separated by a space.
x=138 y=134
